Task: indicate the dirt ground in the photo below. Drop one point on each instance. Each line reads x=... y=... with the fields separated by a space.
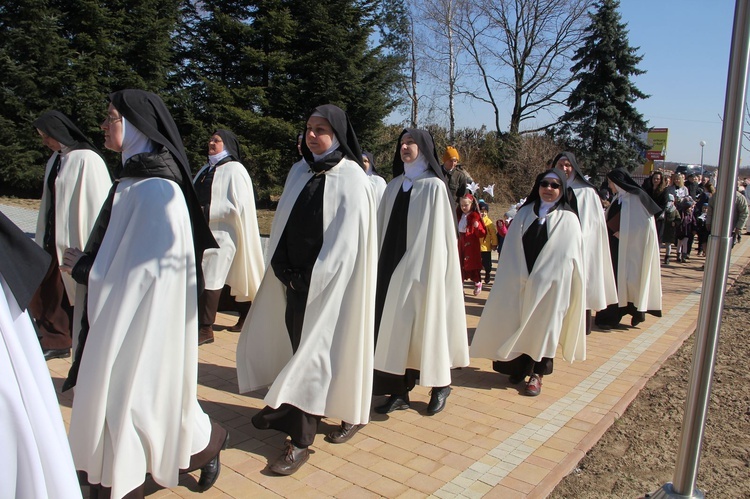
x=637 y=454
x=32 y=204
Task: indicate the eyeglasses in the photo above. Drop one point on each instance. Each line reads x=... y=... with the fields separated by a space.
x=112 y=119
x=545 y=183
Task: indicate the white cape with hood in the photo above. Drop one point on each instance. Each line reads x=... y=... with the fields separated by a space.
x=331 y=372
x=135 y=409
x=600 y=278
x=238 y=261
x=638 y=270
x=534 y=313
x=81 y=188
x=423 y=325
x=36 y=458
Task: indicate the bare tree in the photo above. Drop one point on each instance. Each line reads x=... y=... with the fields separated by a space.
x=438 y=18
x=472 y=29
x=410 y=82
x=534 y=40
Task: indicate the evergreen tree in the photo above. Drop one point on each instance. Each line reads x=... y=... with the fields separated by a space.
x=333 y=62
x=228 y=58
x=68 y=55
x=258 y=67
x=33 y=74
x=602 y=119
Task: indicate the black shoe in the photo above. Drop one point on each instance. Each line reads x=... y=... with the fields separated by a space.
x=438 y=396
x=343 y=433
x=637 y=319
x=514 y=380
x=210 y=472
x=59 y=353
x=291 y=460
x=394 y=403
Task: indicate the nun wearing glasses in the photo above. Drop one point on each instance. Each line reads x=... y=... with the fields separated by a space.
x=538 y=300
x=135 y=410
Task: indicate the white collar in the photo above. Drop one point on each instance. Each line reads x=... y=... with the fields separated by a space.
x=544 y=208
x=413 y=170
x=215 y=158
x=334 y=145
x=133 y=141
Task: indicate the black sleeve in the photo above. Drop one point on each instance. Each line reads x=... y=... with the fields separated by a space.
x=81 y=270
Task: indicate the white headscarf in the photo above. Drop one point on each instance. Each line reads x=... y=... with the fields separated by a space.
x=334 y=145
x=133 y=141
x=413 y=170
x=619 y=193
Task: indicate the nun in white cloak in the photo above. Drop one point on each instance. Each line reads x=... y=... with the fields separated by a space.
x=420 y=318
x=76 y=183
x=225 y=193
x=309 y=333
x=585 y=201
x=634 y=247
x=377 y=182
x=538 y=300
x=35 y=460
x=135 y=410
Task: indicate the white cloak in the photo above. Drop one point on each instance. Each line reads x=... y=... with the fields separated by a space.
x=238 y=261
x=35 y=457
x=423 y=325
x=81 y=188
x=135 y=409
x=378 y=186
x=331 y=372
x=600 y=277
x=534 y=313
x=638 y=270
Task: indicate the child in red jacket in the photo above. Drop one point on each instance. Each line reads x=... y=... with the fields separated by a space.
x=471 y=231
x=502 y=225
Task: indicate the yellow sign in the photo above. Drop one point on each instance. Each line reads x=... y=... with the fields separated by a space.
x=657 y=144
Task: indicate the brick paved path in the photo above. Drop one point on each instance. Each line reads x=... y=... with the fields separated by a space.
x=489 y=441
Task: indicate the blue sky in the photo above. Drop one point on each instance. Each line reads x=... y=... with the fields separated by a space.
x=685 y=47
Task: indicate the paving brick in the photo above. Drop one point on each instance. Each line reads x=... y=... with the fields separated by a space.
x=488 y=436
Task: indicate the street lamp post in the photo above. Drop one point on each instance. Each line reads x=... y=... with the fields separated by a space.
x=703 y=144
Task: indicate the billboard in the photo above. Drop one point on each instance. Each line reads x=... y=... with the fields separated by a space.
x=657 y=144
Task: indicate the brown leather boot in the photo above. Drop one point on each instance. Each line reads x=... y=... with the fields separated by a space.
x=205 y=335
x=241 y=320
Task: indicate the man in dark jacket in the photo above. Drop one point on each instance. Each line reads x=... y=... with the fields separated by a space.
x=456 y=176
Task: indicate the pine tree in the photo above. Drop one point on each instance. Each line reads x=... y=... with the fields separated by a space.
x=602 y=119
x=33 y=74
x=68 y=55
x=333 y=62
x=230 y=51
x=257 y=67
